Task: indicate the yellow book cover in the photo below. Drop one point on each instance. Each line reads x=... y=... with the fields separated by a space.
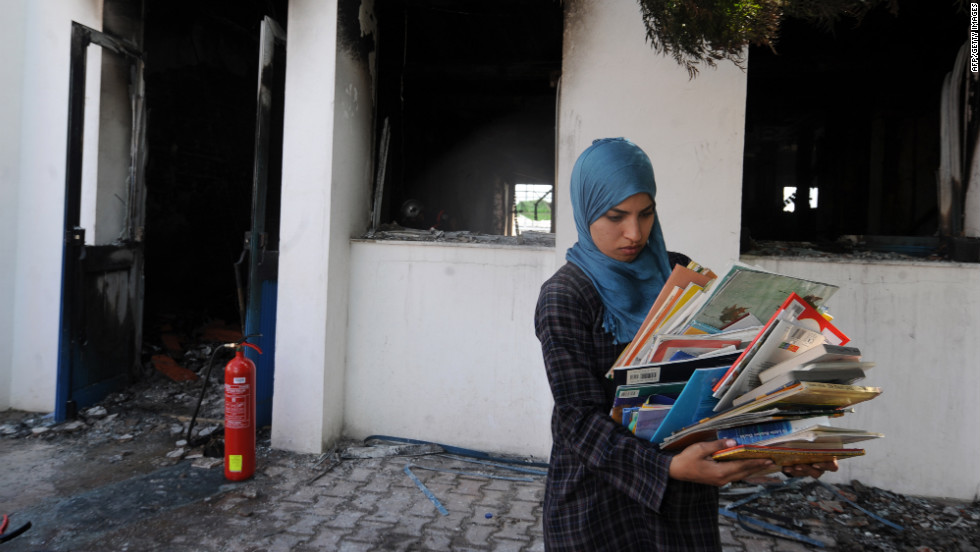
x=782 y=456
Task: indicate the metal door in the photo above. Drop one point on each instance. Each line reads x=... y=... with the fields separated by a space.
x=102 y=266
x=263 y=240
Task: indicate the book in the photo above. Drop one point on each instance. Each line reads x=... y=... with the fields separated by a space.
x=683 y=301
x=746 y=289
x=799 y=400
x=665 y=346
x=823 y=436
x=785 y=456
x=635 y=395
x=678 y=370
x=648 y=417
x=820 y=353
x=693 y=403
x=780 y=342
x=810 y=393
x=710 y=338
x=845 y=372
x=709 y=431
x=680 y=278
x=793 y=308
x=753 y=433
x=806 y=433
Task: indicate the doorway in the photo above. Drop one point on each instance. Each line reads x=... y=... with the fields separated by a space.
x=201 y=80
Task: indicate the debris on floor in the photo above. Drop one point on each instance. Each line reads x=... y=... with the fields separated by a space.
x=382 y=451
x=853 y=517
x=154 y=414
x=397 y=233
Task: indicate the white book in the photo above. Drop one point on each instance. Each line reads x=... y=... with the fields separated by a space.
x=821 y=353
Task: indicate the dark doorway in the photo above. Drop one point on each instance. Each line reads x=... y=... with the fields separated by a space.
x=201 y=80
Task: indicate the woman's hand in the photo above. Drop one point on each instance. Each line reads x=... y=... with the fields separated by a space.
x=813 y=470
x=694 y=464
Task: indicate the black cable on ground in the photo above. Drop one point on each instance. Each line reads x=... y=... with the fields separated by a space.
x=16 y=532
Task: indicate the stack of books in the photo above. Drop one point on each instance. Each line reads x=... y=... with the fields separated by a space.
x=703 y=366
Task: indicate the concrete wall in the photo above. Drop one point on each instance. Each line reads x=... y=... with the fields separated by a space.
x=31 y=297
x=614 y=84
x=919 y=323
x=442 y=345
x=13 y=43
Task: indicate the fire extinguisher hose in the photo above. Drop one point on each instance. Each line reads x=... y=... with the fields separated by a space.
x=204 y=388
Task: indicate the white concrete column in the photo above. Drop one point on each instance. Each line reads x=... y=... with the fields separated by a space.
x=307 y=406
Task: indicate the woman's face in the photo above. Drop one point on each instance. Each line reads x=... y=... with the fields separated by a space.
x=622 y=232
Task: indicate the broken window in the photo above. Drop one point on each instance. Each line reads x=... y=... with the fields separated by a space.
x=842 y=131
x=532 y=208
x=465 y=110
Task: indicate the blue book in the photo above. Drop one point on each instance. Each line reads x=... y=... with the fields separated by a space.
x=681 y=355
x=694 y=404
x=746 y=435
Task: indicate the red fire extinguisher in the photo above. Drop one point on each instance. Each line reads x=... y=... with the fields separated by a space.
x=240 y=415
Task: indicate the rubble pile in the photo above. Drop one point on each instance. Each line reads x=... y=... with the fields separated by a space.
x=395 y=232
x=860 y=518
x=842 y=249
x=158 y=404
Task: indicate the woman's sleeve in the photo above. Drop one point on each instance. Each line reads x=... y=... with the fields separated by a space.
x=581 y=422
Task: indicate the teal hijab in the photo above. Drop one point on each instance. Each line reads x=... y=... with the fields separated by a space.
x=608 y=172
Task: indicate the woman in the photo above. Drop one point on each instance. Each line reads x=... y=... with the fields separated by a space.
x=607 y=489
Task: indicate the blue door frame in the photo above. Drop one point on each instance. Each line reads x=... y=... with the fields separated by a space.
x=263 y=243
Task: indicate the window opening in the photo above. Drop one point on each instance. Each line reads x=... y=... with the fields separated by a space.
x=467 y=94
x=532 y=208
x=789 y=199
x=842 y=135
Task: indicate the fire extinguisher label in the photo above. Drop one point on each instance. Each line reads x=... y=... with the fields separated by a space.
x=237 y=415
x=234 y=462
x=239 y=380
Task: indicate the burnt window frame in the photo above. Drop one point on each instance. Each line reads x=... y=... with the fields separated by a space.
x=457 y=129
x=827 y=109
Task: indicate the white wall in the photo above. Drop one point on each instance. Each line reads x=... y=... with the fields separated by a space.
x=442 y=345
x=12 y=43
x=38 y=174
x=919 y=323
x=614 y=84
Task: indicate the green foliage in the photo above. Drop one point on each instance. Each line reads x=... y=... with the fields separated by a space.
x=705 y=31
x=526 y=208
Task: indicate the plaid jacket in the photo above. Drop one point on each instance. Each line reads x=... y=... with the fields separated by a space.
x=606 y=489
